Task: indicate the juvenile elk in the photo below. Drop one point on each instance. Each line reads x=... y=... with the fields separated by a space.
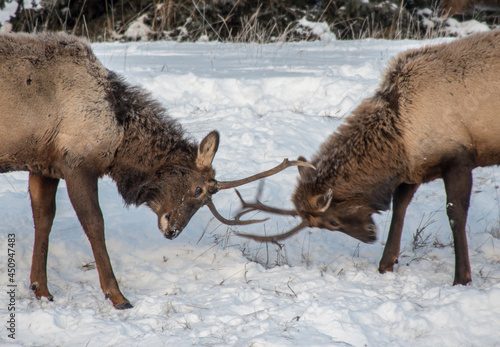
x=435 y=115
x=64 y=116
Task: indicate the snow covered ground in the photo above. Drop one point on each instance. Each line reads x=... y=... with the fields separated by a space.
x=211 y=288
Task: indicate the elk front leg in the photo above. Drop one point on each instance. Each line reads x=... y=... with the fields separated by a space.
x=458 y=186
x=82 y=191
x=400 y=201
x=43 y=204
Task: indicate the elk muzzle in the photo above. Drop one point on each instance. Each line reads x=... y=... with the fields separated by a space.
x=168 y=230
x=170 y=235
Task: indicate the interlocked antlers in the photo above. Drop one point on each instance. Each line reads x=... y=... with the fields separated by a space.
x=232 y=184
x=247 y=207
x=259 y=206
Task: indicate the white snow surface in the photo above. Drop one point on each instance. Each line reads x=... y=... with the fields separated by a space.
x=209 y=287
x=10 y=8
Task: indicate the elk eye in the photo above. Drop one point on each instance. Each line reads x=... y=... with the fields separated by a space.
x=333 y=224
x=198 y=192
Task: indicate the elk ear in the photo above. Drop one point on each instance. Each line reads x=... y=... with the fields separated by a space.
x=327 y=200
x=207 y=149
x=322 y=202
x=306 y=173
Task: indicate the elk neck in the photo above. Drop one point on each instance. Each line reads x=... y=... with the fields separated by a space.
x=365 y=158
x=152 y=145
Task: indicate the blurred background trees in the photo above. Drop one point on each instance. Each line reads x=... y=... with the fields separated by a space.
x=238 y=20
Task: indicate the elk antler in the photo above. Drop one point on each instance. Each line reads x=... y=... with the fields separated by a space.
x=247 y=207
x=276 y=238
x=285 y=164
x=231 y=184
x=259 y=206
x=236 y=221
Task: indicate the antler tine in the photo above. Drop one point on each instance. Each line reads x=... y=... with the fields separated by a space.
x=246 y=207
x=275 y=238
x=221 y=219
x=259 y=206
x=285 y=164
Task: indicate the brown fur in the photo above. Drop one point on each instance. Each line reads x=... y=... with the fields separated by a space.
x=64 y=116
x=453 y=7
x=435 y=115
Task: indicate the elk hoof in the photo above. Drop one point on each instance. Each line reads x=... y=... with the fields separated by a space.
x=40 y=292
x=462 y=282
x=124 y=306
x=386 y=268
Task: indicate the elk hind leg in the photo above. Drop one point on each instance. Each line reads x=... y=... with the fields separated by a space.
x=458 y=185
x=43 y=205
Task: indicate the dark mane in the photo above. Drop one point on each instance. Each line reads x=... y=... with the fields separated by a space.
x=369 y=145
x=154 y=144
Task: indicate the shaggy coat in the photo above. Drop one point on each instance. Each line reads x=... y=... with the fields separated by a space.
x=435 y=115
x=64 y=116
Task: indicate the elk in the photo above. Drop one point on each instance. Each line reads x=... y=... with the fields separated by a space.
x=436 y=114
x=64 y=116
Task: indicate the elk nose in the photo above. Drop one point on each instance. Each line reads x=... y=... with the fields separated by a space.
x=172 y=234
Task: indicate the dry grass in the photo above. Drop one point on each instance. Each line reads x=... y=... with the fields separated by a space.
x=225 y=20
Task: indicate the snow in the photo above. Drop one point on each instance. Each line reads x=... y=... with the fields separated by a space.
x=8 y=11
x=138 y=30
x=464 y=28
x=211 y=288
x=449 y=26
x=10 y=8
x=320 y=29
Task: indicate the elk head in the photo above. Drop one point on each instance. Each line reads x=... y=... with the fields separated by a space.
x=318 y=207
x=324 y=210
x=190 y=188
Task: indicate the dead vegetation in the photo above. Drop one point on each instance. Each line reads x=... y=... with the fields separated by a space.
x=236 y=20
